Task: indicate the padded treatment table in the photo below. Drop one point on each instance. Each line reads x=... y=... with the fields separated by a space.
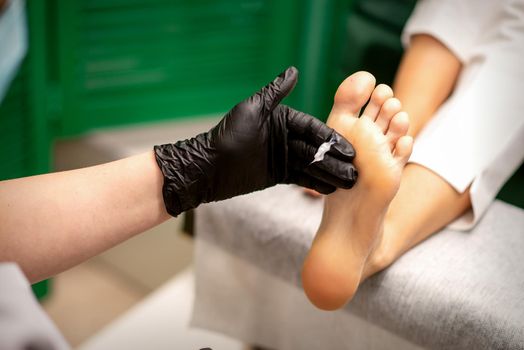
x=456 y=290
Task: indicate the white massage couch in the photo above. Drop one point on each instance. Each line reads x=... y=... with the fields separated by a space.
x=457 y=290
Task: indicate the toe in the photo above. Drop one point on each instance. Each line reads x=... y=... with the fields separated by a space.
x=391 y=107
x=398 y=127
x=403 y=149
x=353 y=93
x=379 y=96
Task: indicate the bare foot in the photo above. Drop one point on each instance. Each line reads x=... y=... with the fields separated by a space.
x=352 y=222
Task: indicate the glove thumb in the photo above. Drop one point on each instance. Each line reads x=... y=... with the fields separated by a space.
x=271 y=94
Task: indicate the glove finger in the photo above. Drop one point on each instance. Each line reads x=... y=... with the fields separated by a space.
x=307 y=127
x=271 y=94
x=342 y=148
x=313 y=131
x=339 y=173
x=310 y=182
x=344 y=176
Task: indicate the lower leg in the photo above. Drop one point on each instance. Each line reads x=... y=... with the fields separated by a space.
x=424 y=204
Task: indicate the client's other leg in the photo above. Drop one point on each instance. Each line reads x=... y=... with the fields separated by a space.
x=425 y=202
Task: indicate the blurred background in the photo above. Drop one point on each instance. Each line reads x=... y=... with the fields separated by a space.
x=105 y=79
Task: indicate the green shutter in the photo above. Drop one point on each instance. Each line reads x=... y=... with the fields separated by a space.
x=122 y=62
x=14 y=123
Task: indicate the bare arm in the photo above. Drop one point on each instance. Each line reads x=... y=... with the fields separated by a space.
x=51 y=222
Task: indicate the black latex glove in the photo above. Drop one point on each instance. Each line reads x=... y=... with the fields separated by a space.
x=258 y=144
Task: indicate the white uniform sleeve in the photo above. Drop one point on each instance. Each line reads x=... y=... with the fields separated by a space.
x=23 y=323
x=455 y=23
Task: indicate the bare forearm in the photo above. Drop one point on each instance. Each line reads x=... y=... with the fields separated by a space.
x=425 y=78
x=52 y=222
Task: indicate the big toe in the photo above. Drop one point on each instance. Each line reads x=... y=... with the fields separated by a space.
x=353 y=93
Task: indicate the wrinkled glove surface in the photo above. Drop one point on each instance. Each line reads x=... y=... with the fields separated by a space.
x=258 y=144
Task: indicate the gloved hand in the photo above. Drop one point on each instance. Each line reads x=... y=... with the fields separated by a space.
x=258 y=144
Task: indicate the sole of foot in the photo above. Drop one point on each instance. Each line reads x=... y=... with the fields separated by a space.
x=352 y=221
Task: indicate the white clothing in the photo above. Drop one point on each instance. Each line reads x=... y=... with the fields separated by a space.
x=23 y=322
x=477 y=136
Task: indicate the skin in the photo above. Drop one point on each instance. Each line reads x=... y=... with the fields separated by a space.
x=356 y=241
x=110 y=203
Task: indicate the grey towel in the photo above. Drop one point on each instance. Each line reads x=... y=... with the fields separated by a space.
x=456 y=290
